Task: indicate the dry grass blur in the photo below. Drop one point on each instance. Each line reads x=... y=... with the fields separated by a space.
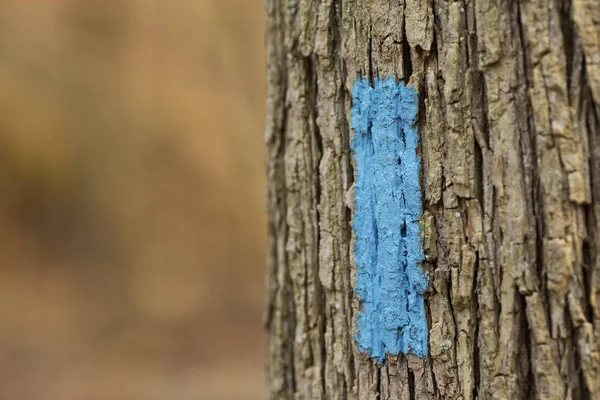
x=131 y=199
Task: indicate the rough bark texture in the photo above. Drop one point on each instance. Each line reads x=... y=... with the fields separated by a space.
x=510 y=149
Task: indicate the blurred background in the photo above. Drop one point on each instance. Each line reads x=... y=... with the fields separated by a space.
x=132 y=228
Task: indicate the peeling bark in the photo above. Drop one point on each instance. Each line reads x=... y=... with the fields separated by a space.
x=509 y=124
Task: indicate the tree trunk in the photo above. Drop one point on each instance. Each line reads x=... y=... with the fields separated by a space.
x=508 y=191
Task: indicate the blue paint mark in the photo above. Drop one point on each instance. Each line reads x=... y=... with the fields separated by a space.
x=391 y=282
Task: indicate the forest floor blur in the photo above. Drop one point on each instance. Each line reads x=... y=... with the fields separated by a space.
x=132 y=228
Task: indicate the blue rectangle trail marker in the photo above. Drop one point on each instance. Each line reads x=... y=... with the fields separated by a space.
x=391 y=282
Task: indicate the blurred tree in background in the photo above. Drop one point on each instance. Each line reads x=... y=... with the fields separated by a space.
x=131 y=214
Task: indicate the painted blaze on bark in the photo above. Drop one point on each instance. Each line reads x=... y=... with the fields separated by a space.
x=391 y=281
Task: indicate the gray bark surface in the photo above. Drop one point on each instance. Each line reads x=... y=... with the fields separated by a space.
x=510 y=152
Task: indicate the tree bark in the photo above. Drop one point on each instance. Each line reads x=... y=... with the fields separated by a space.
x=510 y=177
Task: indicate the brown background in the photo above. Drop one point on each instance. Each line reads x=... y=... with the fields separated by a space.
x=132 y=232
